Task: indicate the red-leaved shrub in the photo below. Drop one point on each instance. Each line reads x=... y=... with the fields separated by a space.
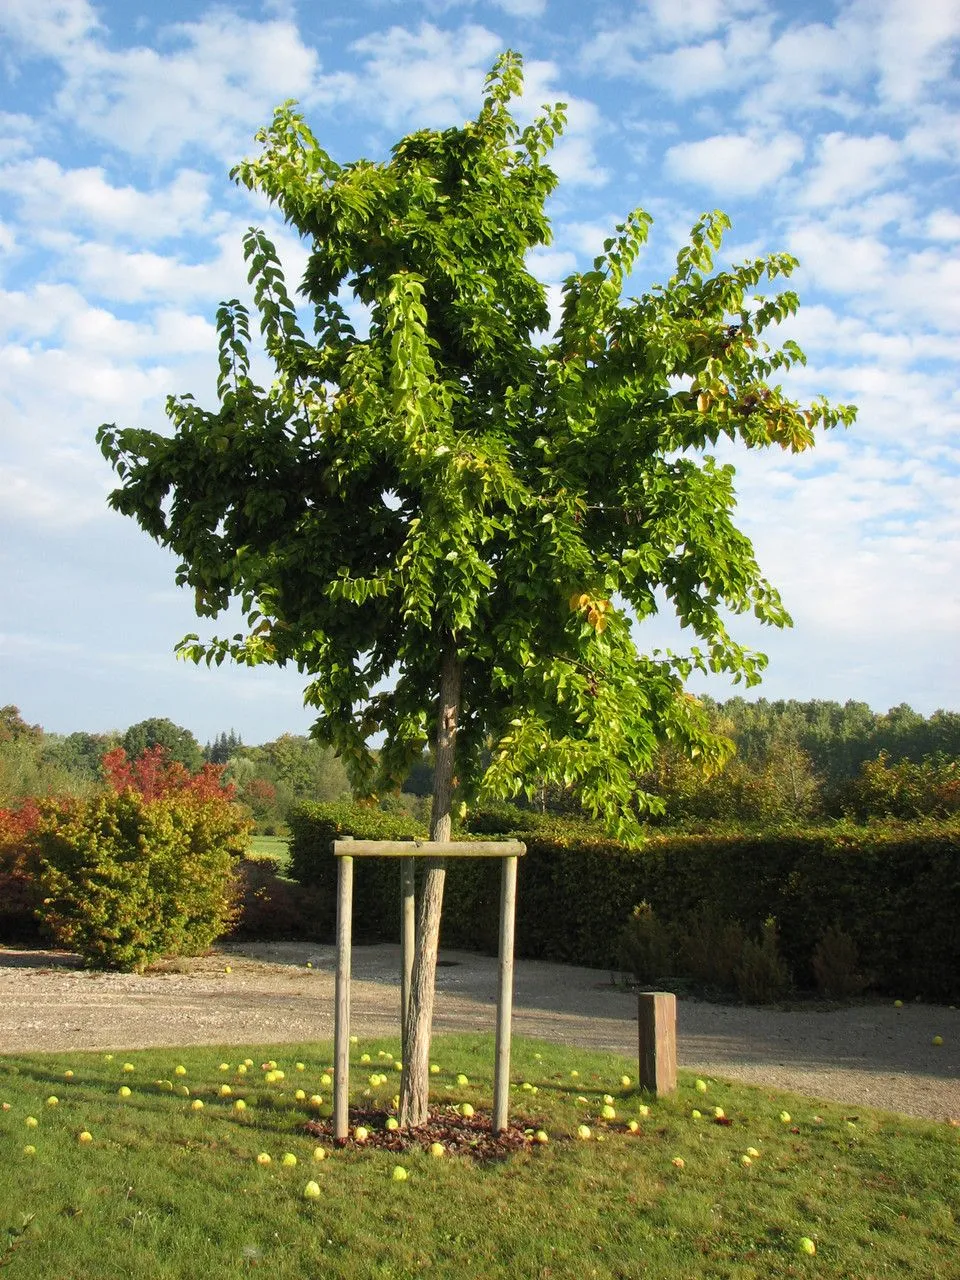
x=143 y=870
x=19 y=893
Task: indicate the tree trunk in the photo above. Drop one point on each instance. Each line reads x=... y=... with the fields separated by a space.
x=415 y=1079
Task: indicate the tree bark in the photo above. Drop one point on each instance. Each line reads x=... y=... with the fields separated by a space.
x=415 y=1078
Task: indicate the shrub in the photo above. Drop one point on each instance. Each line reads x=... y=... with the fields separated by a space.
x=648 y=948
x=19 y=891
x=154 y=776
x=710 y=948
x=272 y=907
x=762 y=975
x=471 y=914
x=701 y=949
x=314 y=827
x=836 y=965
x=126 y=879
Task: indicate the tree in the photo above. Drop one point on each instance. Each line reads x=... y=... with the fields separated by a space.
x=180 y=744
x=13 y=727
x=33 y=763
x=443 y=516
x=78 y=753
x=905 y=789
x=299 y=769
x=309 y=772
x=223 y=747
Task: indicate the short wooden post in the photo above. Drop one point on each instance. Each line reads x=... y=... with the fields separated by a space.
x=501 y=1082
x=408 y=932
x=657 y=1021
x=341 y=1018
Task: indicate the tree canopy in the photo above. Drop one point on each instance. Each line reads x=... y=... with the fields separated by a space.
x=433 y=472
x=179 y=743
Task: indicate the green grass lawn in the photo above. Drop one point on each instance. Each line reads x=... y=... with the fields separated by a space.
x=165 y=1190
x=270 y=846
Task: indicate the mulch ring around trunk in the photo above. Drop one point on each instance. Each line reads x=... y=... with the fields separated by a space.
x=459 y=1135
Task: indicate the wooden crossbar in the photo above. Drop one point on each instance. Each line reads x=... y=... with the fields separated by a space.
x=429 y=848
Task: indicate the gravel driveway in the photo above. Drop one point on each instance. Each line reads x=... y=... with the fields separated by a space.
x=869 y=1053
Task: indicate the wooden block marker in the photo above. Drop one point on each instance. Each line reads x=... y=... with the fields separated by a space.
x=657 y=1022
x=345 y=851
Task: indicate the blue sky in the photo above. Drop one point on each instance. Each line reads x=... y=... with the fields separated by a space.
x=830 y=130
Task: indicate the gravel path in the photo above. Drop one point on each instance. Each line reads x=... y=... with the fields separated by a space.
x=868 y=1054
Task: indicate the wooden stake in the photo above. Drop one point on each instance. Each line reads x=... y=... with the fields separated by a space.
x=341 y=1017
x=501 y=1083
x=657 y=1022
x=408 y=933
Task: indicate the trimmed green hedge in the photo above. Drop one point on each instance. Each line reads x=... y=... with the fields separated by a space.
x=471 y=911
x=376 y=881
x=895 y=889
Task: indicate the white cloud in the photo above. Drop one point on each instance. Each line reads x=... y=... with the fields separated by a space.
x=735 y=163
x=889 y=213
x=921 y=287
x=860 y=542
x=57 y=389
x=50 y=194
x=680 y=19
x=49 y=314
x=551 y=265
x=916 y=46
x=206 y=86
x=52 y=500
x=860 y=545
x=634 y=47
x=926 y=289
x=109 y=272
x=513 y=8
x=522 y=8
x=943 y=224
x=847 y=166
x=17 y=135
x=813 y=50
x=829 y=334
x=133 y=276
x=690 y=70
x=575 y=163
x=900 y=51
x=935 y=136
x=838 y=262
x=51 y=27
x=694 y=71
x=816 y=64
x=433 y=75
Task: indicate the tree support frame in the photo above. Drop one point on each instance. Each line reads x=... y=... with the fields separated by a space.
x=345 y=851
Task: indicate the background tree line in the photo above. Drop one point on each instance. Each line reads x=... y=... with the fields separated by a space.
x=795 y=763
x=798 y=763
x=269 y=779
